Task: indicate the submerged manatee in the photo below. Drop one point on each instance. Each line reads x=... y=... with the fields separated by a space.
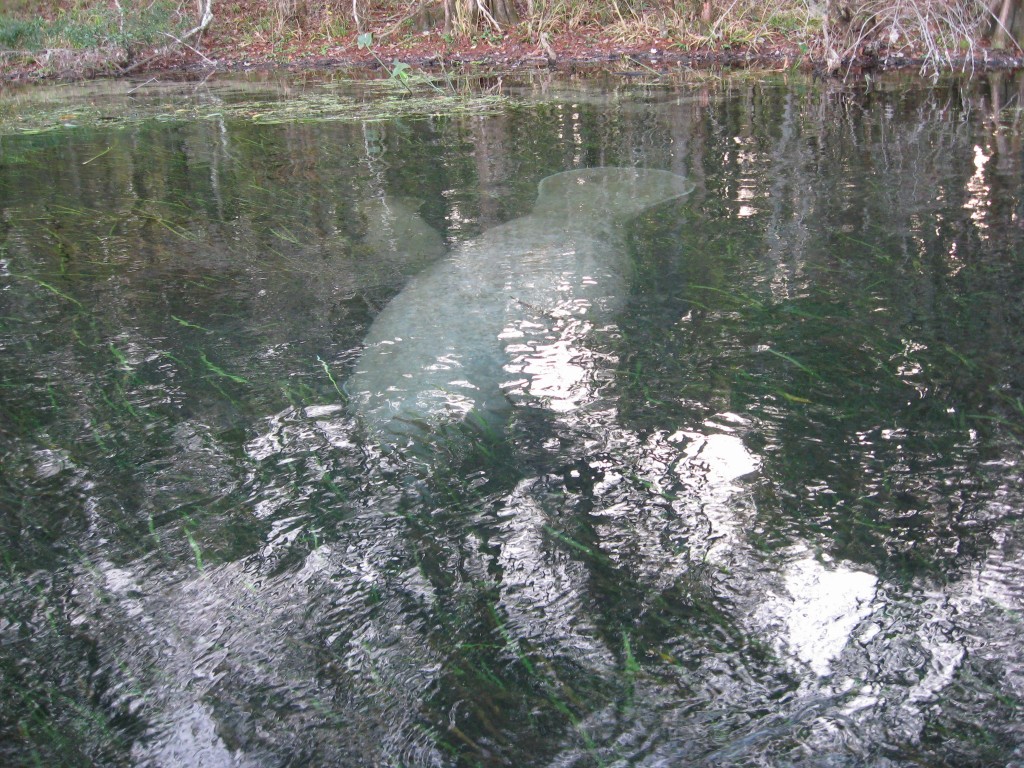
x=438 y=354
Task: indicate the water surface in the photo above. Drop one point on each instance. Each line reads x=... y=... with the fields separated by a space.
x=765 y=511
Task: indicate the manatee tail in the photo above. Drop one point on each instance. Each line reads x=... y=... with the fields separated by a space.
x=618 y=194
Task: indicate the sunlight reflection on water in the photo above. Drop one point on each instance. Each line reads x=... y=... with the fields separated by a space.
x=750 y=494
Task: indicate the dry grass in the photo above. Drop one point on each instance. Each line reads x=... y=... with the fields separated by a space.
x=939 y=31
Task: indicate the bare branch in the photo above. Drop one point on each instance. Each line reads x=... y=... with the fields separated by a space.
x=206 y=18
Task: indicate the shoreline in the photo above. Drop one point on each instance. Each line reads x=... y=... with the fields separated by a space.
x=431 y=53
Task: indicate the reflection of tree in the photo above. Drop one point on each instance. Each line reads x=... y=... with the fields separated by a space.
x=838 y=300
x=917 y=227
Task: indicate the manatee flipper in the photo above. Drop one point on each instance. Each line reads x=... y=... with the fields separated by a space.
x=394 y=225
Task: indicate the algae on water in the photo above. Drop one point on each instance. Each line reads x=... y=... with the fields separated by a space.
x=121 y=103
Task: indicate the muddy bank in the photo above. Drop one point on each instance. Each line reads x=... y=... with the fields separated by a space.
x=433 y=52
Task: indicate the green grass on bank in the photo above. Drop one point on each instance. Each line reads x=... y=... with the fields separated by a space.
x=31 y=26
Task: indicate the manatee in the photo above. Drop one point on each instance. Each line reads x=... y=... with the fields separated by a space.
x=441 y=353
x=396 y=232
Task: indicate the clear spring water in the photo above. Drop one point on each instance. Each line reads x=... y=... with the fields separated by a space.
x=767 y=511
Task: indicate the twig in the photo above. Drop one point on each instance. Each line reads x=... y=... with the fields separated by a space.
x=209 y=74
x=206 y=58
x=140 y=85
x=714 y=29
x=1001 y=20
x=639 y=63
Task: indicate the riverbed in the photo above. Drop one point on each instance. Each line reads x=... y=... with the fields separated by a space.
x=757 y=502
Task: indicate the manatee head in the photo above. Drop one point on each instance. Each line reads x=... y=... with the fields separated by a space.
x=603 y=194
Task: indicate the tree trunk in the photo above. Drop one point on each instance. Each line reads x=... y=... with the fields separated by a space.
x=504 y=12
x=464 y=16
x=838 y=17
x=1007 y=24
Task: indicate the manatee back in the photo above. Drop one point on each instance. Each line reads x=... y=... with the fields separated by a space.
x=607 y=194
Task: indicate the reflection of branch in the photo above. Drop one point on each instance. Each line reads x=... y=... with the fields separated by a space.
x=205 y=18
